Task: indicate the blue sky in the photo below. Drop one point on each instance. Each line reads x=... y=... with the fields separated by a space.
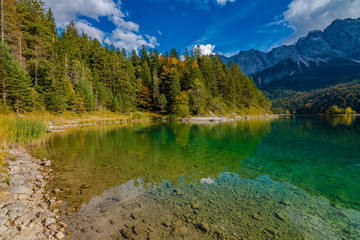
x=224 y=26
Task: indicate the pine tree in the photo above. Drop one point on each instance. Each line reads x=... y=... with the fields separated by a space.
x=145 y=75
x=198 y=97
x=156 y=88
x=207 y=69
x=171 y=82
x=38 y=38
x=15 y=89
x=10 y=25
x=162 y=103
x=86 y=94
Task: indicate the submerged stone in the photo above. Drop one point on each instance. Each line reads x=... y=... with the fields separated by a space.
x=204 y=227
x=127 y=232
x=280 y=216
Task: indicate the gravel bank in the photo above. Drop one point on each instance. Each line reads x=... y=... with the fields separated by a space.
x=24 y=211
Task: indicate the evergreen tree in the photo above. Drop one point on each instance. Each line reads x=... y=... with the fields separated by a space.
x=86 y=95
x=198 y=97
x=156 y=88
x=145 y=75
x=72 y=72
x=171 y=82
x=15 y=88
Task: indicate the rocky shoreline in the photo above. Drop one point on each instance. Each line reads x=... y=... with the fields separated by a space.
x=63 y=127
x=24 y=206
x=226 y=119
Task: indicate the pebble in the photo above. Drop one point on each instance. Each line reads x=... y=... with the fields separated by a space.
x=60 y=235
x=139 y=228
x=127 y=232
x=22 y=205
x=272 y=231
x=167 y=223
x=84 y=186
x=134 y=216
x=196 y=205
x=204 y=227
x=56 y=191
x=49 y=221
x=280 y=216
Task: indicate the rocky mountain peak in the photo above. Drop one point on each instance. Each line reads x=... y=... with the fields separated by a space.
x=339 y=40
x=344 y=35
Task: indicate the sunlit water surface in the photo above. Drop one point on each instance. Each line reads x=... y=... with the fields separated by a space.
x=286 y=178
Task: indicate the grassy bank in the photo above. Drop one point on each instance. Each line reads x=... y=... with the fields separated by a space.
x=20 y=130
x=32 y=126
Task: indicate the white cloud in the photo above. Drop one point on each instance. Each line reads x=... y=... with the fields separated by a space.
x=205 y=49
x=306 y=15
x=86 y=27
x=202 y=4
x=229 y=54
x=224 y=2
x=67 y=10
x=126 y=33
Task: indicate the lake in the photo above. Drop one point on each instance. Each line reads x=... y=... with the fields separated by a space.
x=287 y=178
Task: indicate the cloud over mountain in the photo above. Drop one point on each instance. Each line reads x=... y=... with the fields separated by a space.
x=306 y=15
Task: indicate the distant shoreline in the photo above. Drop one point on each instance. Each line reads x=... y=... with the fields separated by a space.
x=226 y=119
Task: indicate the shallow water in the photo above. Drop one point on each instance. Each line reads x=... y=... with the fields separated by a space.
x=288 y=178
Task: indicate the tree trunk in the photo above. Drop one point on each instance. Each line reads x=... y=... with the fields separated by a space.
x=82 y=69
x=112 y=85
x=4 y=90
x=17 y=105
x=36 y=58
x=2 y=21
x=20 y=49
x=66 y=65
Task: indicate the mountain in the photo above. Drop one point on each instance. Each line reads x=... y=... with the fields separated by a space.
x=317 y=60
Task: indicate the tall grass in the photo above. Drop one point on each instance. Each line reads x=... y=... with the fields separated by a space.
x=20 y=130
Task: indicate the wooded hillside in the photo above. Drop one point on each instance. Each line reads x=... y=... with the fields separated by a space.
x=43 y=68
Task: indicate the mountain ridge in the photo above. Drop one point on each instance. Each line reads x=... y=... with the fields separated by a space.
x=341 y=39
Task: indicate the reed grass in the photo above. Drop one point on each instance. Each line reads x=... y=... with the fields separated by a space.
x=32 y=126
x=20 y=130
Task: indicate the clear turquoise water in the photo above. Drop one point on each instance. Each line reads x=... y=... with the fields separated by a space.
x=311 y=162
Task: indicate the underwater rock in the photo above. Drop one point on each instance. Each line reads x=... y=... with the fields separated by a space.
x=139 y=228
x=84 y=186
x=280 y=216
x=196 y=205
x=272 y=231
x=179 y=231
x=167 y=223
x=285 y=202
x=134 y=216
x=204 y=227
x=127 y=232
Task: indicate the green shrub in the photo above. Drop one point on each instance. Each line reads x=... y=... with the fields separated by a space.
x=182 y=110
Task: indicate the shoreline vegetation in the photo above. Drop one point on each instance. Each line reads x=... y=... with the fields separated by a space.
x=31 y=127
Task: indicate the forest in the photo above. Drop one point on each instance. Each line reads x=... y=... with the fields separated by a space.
x=43 y=68
x=341 y=98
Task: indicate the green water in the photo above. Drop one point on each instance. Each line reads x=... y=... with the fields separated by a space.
x=310 y=163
